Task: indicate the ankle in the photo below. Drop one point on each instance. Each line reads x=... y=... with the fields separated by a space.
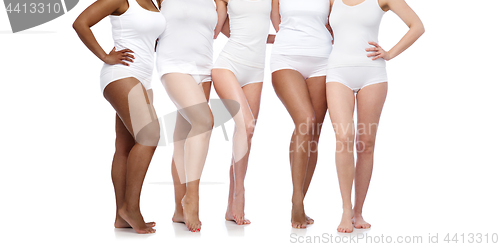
x=297 y=200
x=356 y=212
x=239 y=192
x=347 y=209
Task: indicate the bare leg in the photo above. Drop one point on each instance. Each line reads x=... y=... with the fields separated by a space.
x=181 y=131
x=189 y=97
x=182 y=128
x=341 y=107
x=370 y=101
x=293 y=92
x=123 y=144
x=317 y=93
x=129 y=98
x=248 y=98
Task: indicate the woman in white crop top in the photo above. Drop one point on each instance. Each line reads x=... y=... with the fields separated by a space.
x=357 y=78
x=238 y=76
x=298 y=63
x=125 y=82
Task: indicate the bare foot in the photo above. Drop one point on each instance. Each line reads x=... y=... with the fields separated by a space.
x=135 y=220
x=178 y=216
x=346 y=223
x=237 y=213
x=359 y=222
x=298 y=216
x=309 y=220
x=121 y=223
x=190 y=212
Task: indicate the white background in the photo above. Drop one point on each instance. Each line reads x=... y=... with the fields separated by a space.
x=436 y=161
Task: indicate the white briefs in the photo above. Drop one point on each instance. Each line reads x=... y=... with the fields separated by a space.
x=357 y=78
x=306 y=65
x=245 y=74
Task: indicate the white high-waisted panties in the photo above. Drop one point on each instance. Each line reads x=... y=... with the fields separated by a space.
x=356 y=78
x=308 y=66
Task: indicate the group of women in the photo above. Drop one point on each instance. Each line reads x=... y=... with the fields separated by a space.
x=309 y=76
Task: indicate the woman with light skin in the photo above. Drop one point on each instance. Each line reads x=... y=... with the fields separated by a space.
x=238 y=76
x=357 y=77
x=184 y=63
x=126 y=85
x=298 y=64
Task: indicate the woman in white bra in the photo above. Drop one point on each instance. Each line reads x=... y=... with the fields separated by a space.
x=238 y=75
x=298 y=64
x=357 y=78
x=126 y=84
x=184 y=64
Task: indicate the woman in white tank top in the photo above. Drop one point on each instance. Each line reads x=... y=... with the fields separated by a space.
x=184 y=63
x=357 y=78
x=125 y=80
x=298 y=63
x=238 y=76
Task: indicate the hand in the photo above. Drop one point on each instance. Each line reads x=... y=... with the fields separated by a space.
x=377 y=52
x=271 y=38
x=119 y=57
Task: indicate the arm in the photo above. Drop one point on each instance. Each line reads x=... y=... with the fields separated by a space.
x=275 y=15
x=92 y=15
x=271 y=38
x=328 y=22
x=226 y=29
x=410 y=18
x=222 y=16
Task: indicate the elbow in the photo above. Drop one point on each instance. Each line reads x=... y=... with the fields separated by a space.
x=418 y=30
x=421 y=28
x=77 y=26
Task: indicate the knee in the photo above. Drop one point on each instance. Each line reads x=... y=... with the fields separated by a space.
x=345 y=142
x=123 y=147
x=246 y=128
x=203 y=122
x=149 y=135
x=365 y=146
x=306 y=126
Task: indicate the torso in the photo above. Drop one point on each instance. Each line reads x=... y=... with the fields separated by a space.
x=249 y=23
x=302 y=30
x=186 y=46
x=354 y=24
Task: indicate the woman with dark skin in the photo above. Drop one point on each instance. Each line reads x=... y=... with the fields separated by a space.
x=125 y=82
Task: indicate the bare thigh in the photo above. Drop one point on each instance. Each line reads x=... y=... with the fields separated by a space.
x=132 y=104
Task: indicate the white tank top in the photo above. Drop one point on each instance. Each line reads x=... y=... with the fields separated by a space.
x=249 y=23
x=303 y=28
x=186 y=46
x=137 y=29
x=353 y=28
